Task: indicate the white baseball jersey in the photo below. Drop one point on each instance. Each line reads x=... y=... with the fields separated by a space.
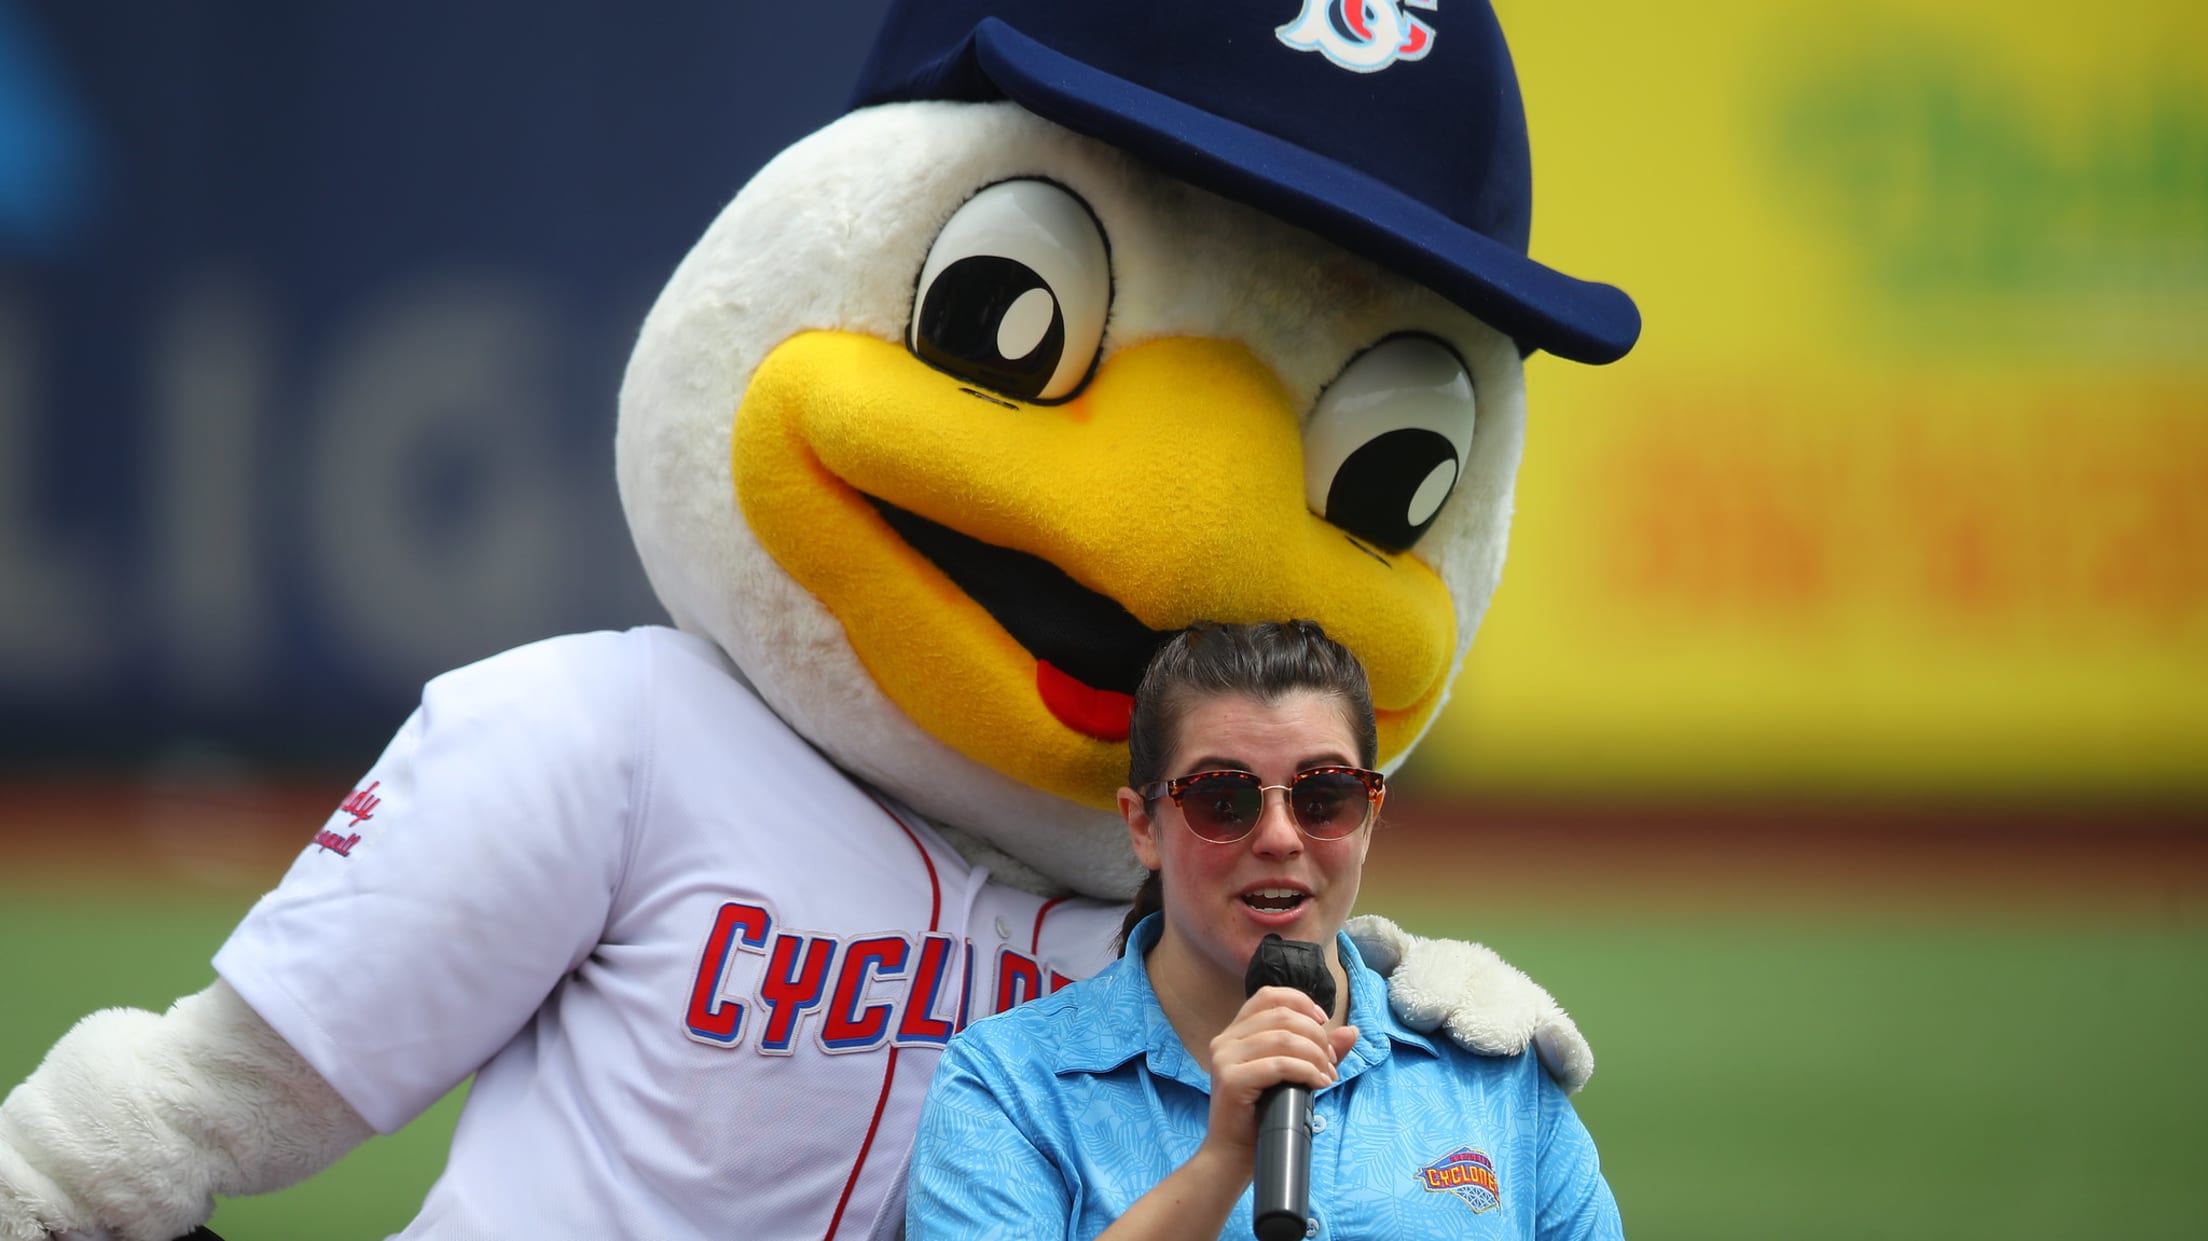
x=701 y=975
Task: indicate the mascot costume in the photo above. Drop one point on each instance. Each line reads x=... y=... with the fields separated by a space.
x=1087 y=322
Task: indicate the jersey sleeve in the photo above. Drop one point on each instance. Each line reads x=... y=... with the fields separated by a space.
x=470 y=869
x=1575 y=1201
x=976 y=1173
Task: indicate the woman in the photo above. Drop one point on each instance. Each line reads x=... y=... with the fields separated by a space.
x=1125 y=1106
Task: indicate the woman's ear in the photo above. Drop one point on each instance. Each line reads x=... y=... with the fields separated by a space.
x=1141 y=828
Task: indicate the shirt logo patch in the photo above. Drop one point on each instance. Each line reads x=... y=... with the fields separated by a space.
x=1468 y=1174
x=342 y=846
x=361 y=805
x=1363 y=36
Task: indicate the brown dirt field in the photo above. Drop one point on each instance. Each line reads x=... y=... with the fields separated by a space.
x=2139 y=862
x=197 y=836
x=2144 y=862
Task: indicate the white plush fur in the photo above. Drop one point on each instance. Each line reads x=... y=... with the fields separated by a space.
x=135 y=1121
x=832 y=234
x=1482 y=1001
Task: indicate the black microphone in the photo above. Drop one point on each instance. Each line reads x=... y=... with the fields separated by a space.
x=1281 y=1200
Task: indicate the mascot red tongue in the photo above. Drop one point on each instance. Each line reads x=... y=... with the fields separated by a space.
x=1098 y=713
x=1092 y=320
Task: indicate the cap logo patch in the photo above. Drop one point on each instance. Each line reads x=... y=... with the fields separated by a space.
x=1468 y=1174
x=1364 y=36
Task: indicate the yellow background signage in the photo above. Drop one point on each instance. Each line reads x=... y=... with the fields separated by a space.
x=1905 y=488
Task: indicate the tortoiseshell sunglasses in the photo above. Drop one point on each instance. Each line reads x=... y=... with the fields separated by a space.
x=1327 y=803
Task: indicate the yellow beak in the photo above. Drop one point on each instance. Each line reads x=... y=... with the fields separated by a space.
x=1004 y=569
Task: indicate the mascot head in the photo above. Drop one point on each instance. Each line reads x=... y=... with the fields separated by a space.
x=1089 y=321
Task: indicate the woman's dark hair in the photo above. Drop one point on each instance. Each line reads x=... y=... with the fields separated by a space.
x=1267 y=662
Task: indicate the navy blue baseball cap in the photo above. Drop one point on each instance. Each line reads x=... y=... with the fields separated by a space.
x=1392 y=128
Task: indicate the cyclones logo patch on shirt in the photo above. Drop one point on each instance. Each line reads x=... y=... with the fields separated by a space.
x=1468 y=1174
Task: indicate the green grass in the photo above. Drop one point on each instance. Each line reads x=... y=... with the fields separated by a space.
x=1940 y=1079
x=1815 y=1078
x=73 y=952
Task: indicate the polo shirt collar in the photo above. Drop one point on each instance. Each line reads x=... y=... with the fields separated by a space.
x=1122 y=1008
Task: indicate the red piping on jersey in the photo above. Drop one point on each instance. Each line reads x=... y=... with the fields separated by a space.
x=1035 y=945
x=889 y=1073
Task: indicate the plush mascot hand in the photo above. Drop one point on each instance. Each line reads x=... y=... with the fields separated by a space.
x=134 y=1122
x=1479 y=1000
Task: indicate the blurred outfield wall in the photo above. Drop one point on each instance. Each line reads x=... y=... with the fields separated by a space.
x=311 y=319
x=1905 y=488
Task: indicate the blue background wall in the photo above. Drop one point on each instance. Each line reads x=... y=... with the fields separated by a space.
x=312 y=319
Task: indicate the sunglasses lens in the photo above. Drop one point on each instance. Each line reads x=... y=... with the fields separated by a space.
x=1222 y=807
x=1329 y=804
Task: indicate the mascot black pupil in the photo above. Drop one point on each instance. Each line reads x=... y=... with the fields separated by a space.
x=963 y=325
x=1373 y=492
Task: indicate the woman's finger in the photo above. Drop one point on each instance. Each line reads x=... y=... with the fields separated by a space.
x=1341 y=1040
x=1277 y=1017
x=1258 y=1044
x=1249 y=1078
x=1283 y=997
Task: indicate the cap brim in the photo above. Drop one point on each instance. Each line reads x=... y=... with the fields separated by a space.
x=1539 y=307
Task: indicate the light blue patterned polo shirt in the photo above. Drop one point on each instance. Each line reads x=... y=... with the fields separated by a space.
x=1053 y=1118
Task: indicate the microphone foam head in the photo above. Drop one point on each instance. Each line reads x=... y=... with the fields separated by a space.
x=1291 y=963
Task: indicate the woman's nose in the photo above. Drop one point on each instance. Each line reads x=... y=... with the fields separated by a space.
x=1276 y=834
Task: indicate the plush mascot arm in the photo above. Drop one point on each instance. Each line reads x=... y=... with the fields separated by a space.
x=1481 y=1001
x=134 y=1122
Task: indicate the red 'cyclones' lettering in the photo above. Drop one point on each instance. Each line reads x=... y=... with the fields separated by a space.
x=921 y=1024
x=1019 y=980
x=871 y=992
x=797 y=972
x=845 y=1029
x=710 y=1017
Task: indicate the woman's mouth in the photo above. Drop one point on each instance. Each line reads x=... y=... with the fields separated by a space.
x=1275 y=900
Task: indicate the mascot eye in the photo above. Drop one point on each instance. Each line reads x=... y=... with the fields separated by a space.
x=1387 y=440
x=1013 y=296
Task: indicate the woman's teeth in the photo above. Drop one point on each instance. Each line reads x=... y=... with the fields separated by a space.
x=1273 y=898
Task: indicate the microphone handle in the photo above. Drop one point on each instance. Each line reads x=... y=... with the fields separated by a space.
x=1280 y=1200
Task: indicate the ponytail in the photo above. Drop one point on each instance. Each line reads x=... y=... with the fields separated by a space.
x=1149 y=899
